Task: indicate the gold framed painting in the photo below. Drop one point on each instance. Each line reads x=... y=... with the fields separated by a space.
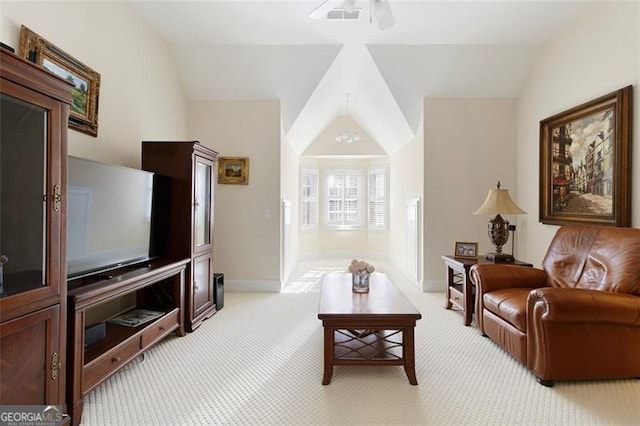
x=585 y=167
x=233 y=170
x=83 y=113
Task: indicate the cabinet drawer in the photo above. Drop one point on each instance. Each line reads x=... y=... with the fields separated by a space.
x=456 y=297
x=160 y=328
x=102 y=367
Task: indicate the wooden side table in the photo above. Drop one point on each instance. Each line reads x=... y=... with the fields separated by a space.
x=460 y=293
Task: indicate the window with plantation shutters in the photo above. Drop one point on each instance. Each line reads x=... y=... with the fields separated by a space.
x=343 y=195
x=377 y=199
x=309 y=199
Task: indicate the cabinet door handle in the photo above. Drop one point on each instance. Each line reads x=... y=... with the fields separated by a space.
x=195 y=286
x=57 y=197
x=55 y=365
x=115 y=359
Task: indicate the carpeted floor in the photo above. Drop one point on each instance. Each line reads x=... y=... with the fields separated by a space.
x=259 y=361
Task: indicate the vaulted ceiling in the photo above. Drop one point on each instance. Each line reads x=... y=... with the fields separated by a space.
x=272 y=49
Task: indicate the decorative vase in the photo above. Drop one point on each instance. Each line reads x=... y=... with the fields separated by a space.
x=360 y=282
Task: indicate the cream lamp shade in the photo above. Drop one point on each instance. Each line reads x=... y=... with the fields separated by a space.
x=498 y=202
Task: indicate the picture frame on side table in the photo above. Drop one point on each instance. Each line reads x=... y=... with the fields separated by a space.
x=466 y=250
x=585 y=168
x=233 y=170
x=83 y=112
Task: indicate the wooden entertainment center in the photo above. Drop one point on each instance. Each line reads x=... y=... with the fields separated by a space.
x=45 y=355
x=157 y=285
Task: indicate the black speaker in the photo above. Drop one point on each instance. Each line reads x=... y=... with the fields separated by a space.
x=160 y=216
x=94 y=333
x=218 y=282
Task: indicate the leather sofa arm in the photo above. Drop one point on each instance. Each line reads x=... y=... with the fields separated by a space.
x=575 y=333
x=493 y=276
x=583 y=305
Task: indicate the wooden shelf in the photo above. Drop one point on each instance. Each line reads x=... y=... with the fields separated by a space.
x=116 y=334
x=157 y=285
x=369 y=345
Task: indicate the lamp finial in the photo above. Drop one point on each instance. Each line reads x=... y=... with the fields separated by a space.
x=498 y=185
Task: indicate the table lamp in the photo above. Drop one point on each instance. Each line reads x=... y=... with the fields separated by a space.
x=499 y=202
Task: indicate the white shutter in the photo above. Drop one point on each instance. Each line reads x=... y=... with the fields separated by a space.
x=309 y=199
x=377 y=199
x=343 y=195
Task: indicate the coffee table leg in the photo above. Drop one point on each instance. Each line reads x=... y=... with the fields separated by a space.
x=328 y=354
x=408 y=349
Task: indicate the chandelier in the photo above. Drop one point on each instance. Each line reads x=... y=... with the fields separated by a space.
x=346 y=135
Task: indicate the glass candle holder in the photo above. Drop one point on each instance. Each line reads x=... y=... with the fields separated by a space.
x=360 y=282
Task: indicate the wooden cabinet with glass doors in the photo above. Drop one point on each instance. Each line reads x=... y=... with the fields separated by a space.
x=34 y=109
x=190 y=167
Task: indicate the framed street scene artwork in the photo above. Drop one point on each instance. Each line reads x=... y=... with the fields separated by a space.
x=585 y=169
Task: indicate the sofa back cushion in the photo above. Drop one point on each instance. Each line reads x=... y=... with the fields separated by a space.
x=597 y=258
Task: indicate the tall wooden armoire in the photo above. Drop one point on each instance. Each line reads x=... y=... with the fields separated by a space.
x=34 y=110
x=190 y=167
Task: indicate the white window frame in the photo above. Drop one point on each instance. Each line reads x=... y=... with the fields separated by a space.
x=377 y=197
x=343 y=198
x=309 y=201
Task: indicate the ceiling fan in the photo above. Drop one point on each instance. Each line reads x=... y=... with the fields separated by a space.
x=378 y=8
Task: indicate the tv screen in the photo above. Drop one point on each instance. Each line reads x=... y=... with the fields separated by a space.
x=109 y=211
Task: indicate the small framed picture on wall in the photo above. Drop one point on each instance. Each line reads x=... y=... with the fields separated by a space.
x=233 y=170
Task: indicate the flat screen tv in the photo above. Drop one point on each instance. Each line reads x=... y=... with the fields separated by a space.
x=109 y=216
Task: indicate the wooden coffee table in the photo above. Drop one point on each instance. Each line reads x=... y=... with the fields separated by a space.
x=375 y=328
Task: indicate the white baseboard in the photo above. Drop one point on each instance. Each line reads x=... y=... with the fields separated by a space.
x=251 y=286
x=407 y=275
x=384 y=257
x=344 y=254
x=434 y=286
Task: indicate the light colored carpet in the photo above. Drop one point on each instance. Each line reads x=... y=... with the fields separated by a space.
x=259 y=361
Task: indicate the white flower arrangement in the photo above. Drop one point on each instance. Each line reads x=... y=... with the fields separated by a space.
x=360 y=266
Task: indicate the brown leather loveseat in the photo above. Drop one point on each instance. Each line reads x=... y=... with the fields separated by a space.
x=576 y=318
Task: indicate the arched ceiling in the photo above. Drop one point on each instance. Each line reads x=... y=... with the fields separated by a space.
x=371 y=102
x=272 y=49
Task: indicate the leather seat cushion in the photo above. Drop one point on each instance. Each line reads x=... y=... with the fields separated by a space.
x=509 y=304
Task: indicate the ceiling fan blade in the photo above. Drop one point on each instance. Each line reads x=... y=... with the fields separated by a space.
x=349 y=5
x=383 y=14
x=322 y=10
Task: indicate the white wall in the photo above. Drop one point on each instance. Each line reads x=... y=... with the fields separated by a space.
x=406 y=181
x=326 y=144
x=469 y=145
x=140 y=94
x=247 y=217
x=593 y=57
x=289 y=186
